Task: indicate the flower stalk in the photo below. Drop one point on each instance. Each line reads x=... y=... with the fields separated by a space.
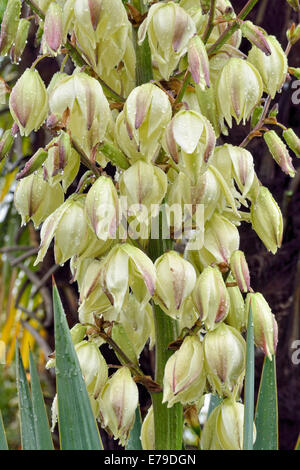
x=232 y=27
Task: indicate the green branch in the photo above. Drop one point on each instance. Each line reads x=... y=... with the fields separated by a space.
x=232 y=28
x=210 y=24
x=35 y=9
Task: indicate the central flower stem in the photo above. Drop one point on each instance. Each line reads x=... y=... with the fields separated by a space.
x=168 y=422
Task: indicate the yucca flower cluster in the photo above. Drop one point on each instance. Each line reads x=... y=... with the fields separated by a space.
x=163 y=136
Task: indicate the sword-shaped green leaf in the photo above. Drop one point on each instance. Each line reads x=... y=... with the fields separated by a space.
x=134 y=441
x=27 y=425
x=42 y=430
x=77 y=426
x=3 y=441
x=249 y=386
x=266 y=415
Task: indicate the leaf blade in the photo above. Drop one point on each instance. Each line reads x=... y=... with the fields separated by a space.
x=28 y=437
x=266 y=415
x=77 y=425
x=42 y=430
x=3 y=441
x=249 y=386
x=134 y=441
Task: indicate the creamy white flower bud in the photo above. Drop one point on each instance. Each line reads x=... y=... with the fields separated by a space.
x=139 y=128
x=169 y=30
x=184 y=376
x=176 y=278
x=118 y=402
x=210 y=297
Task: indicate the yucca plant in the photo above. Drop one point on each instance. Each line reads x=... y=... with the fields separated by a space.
x=136 y=187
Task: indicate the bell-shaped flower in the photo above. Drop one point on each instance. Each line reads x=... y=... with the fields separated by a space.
x=53 y=29
x=138 y=323
x=190 y=140
x=207 y=192
x=103 y=33
x=93 y=300
x=209 y=438
x=237 y=314
x=128 y=267
x=272 y=68
x=235 y=162
x=142 y=189
x=62 y=163
x=184 y=375
x=198 y=62
x=266 y=219
x=240 y=270
x=35 y=199
x=224 y=429
x=221 y=239
x=83 y=97
x=118 y=402
x=175 y=279
x=102 y=208
x=210 y=297
x=93 y=367
x=264 y=323
x=169 y=29
x=225 y=359
x=239 y=89
x=28 y=102
x=69 y=227
x=144 y=184
x=219 y=59
x=139 y=128
x=179 y=199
